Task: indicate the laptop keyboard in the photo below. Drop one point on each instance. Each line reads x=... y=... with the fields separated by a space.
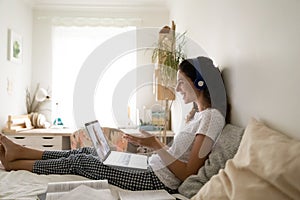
x=124 y=159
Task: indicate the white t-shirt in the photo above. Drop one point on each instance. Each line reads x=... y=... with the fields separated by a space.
x=209 y=122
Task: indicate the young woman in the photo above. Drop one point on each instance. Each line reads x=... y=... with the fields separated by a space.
x=168 y=167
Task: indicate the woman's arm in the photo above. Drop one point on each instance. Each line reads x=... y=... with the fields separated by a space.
x=146 y=140
x=201 y=147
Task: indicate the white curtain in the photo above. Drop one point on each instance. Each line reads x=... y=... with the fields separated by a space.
x=71 y=46
x=96 y=22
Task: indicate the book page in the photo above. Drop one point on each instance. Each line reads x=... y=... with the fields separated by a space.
x=145 y=195
x=70 y=185
x=179 y=196
x=82 y=192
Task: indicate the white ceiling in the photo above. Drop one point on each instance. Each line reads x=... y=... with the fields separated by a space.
x=97 y=3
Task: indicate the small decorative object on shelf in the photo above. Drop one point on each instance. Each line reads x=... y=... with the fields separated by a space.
x=33 y=103
x=17 y=123
x=38 y=120
x=37 y=107
x=147 y=126
x=57 y=120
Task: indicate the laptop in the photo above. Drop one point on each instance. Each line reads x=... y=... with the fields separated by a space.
x=110 y=157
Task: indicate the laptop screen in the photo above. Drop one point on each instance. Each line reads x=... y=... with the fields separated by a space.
x=99 y=141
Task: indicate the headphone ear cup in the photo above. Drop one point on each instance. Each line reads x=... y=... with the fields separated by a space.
x=199 y=84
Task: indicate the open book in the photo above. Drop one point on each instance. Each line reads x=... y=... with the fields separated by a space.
x=145 y=195
x=98 y=189
x=89 y=189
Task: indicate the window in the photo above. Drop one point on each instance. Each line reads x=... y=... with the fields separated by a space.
x=71 y=46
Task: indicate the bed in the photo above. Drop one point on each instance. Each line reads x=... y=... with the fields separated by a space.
x=266 y=166
x=255 y=163
x=22 y=184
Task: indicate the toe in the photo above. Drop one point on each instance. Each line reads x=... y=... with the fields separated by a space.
x=2 y=148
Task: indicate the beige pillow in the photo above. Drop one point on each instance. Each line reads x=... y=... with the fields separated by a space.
x=224 y=149
x=266 y=166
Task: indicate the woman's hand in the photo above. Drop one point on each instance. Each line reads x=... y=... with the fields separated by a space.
x=145 y=139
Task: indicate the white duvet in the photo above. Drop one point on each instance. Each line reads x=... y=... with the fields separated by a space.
x=26 y=185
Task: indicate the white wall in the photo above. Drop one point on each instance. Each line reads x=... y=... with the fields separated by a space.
x=257 y=45
x=15 y=15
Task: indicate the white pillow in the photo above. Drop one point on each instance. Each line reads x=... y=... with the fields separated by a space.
x=266 y=166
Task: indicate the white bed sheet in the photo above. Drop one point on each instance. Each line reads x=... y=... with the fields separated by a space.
x=26 y=185
x=22 y=184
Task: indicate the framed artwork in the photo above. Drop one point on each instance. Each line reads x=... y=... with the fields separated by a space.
x=15 y=50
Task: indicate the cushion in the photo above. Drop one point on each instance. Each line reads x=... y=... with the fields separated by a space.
x=81 y=138
x=224 y=149
x=266 y=166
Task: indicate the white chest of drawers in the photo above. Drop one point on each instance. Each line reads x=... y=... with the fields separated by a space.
x=44 y=139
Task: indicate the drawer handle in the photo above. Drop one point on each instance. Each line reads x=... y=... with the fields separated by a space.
x=48 y=138
x=19 y=137
x=47 y=145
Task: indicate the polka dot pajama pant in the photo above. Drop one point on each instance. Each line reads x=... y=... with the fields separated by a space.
x=84 y=162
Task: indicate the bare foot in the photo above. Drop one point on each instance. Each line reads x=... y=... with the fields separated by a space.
x=10 y=150
x=2 y=152
x=2 y=158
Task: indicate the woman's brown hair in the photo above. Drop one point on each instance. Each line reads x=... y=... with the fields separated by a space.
x=190 y=71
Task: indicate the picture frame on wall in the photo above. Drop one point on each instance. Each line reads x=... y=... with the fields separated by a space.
x=15 y=49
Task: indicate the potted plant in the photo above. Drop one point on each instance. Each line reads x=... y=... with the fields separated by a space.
x=167 y=55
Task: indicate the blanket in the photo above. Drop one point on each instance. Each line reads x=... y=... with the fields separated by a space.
x=26 y=185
